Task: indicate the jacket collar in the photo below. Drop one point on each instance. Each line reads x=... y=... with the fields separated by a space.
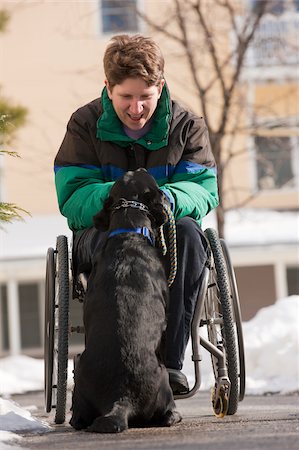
x=110 y=128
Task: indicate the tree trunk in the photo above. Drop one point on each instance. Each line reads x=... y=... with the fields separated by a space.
x=220 y=220
x=216 y=148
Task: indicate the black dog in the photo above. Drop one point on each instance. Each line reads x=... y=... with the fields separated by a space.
x=119 y=378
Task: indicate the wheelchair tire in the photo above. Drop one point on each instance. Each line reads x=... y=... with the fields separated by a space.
x=62 y=321
x=49 y=328
x=237 y=318
x=220 y=318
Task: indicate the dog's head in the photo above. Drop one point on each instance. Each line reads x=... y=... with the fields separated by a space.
x=139 y=186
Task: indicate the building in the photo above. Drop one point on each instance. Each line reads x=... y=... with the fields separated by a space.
x=51 y=62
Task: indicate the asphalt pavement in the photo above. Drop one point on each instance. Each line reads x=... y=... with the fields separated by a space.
x=262 y=422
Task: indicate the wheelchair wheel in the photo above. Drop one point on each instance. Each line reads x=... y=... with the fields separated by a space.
x=237 y=318
x=220 y=319
x=57 y=328
x=49 y=327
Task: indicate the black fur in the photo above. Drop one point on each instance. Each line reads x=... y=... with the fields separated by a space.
x=119 y=378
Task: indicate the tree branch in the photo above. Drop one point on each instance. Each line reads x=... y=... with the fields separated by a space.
x=210 y=43
x=160 y=28
x=190 y=57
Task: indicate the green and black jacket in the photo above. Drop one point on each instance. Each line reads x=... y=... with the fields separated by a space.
x=95 y=152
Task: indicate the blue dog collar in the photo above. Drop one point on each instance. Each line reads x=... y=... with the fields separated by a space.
x=143 y=230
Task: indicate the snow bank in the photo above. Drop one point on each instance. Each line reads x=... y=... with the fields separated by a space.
x=13 y=419
x=272 y=348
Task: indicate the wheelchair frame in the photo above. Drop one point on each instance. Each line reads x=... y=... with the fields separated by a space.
x=217 y=308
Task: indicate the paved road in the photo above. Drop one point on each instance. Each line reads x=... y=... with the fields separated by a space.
x=262 y=422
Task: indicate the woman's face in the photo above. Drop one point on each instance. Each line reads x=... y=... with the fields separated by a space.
x=134 y=101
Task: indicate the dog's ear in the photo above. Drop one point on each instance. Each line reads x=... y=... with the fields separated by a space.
x=159 y=214
x=154 y=199
x=102 y=219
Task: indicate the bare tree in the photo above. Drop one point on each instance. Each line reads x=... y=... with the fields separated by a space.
x=214 y=37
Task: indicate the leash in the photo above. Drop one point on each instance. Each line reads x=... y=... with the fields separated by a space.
x=172 y=245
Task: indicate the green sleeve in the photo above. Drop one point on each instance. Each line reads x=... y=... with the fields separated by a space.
x=194 y=195
x=193 y=181
x=81 y=193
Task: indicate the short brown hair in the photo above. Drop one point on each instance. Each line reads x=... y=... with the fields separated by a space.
x=133 y=57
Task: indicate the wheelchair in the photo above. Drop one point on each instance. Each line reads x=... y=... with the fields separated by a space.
x=217 y=308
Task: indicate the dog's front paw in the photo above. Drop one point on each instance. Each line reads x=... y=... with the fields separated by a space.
x=170 y=418
x=108 y=424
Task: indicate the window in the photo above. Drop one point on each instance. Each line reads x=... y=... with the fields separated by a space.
x=274 y=162
x=276 y=7
x=29 y=315
x=4 y=339
x=28 y=332
x=256 y=285
x=275 y=41
x=119 y=16
x=293 y=280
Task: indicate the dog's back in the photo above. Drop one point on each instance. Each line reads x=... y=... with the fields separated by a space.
x=119 y=377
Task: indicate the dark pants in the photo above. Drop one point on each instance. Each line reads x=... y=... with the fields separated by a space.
x=191 y=255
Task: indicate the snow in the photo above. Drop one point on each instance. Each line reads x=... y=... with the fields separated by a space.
x=13 y=419
x=263 y=227
x=20 y=374
x=271 y=349
x=11 y=437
